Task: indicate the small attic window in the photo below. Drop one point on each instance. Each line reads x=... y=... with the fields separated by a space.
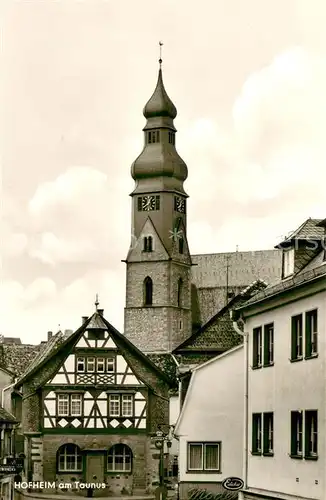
x=288 y=262
x=153 y=136
x=171 y=138
x=95 y=335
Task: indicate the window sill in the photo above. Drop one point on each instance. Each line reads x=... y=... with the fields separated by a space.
x=311 y=457
x=294 y=360
x=268 y=454
x=297 y=457
x=70 y=471
x=203 y=471
x=256 y=367
x=312 y=356
x=118 y=472
x=256 y=453
x=269 y=364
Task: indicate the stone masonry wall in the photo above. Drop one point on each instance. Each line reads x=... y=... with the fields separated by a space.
x=164 y=325
x=143 y=469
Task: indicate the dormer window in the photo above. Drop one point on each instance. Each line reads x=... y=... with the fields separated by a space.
x=148 y=244
x=172 y=138
x=153 y=136
x=288 y=262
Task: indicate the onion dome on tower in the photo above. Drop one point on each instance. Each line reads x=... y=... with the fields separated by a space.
x=159 y=159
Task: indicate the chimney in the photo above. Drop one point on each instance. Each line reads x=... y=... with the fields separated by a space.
x=49 y=335
x=101 y=312
x=84 y=319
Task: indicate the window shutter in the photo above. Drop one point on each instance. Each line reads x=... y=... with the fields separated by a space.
x=307 y=432
x=254 y=348
x=266 y=345
x=265 y=432
x=308 y=333
x=293 y=433
x=293 y=338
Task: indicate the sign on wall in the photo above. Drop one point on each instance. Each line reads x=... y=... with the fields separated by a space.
x=233 y=483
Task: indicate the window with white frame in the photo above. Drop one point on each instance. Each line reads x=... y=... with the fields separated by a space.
x=90 y=365
x=63 y=405
x=311 y=434
x=257 y=343
x=69 y=405
x=257 y=433
x=119 y=458
x=311 y=331
x=268 y=344
x=76 y=405
x=127 y=403
x=204 y=456
x=110 y=365
x=121 y=405
x=114 y=405
x=80 y=365
x=100 y=365
x=297 y=434
x=288 y=262
x=304 y=434
x=69 y=458
x=297 y=337
x=263 y=434
x=268 y=433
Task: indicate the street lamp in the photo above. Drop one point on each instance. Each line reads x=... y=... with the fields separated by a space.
x=159 y=439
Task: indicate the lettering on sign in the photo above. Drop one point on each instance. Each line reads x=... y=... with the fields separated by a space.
x=233 y=483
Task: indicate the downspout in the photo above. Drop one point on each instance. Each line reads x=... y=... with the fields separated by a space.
x=245 y=335
x=5 y=389
x=179 y=381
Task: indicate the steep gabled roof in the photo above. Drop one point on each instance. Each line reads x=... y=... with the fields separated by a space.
x=192 y=382
x=59 y=341
x=242 y=297
x=314 y=270
x=5 y=416
x=311 y=229
x=42 y=356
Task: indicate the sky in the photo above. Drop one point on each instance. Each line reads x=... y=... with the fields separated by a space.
x=248 y=80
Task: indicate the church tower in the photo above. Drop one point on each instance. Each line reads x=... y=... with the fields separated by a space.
x=158 y=298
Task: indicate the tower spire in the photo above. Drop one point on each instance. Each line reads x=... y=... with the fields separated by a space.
x=96 y=302
x=160 y=59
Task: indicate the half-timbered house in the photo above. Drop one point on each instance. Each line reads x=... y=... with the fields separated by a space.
x=91 y=402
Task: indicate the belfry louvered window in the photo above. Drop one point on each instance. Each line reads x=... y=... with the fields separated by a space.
x=153 y=136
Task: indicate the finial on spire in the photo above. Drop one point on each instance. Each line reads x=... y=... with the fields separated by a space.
x=96 y=302
x=160 y=59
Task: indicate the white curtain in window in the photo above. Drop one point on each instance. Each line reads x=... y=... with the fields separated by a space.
x=211 y=456
x=195 y=456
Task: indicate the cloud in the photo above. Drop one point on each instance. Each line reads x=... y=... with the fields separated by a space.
x=44 y=307
x=78 y=217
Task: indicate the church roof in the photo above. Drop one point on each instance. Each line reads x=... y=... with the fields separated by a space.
x=210 y=270
x=218 y=334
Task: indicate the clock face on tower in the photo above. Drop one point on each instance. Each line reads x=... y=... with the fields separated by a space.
x=148 y=203
x=180 y=204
